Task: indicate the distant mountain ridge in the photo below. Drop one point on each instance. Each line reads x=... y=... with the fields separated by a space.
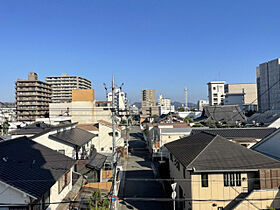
x=175 y=103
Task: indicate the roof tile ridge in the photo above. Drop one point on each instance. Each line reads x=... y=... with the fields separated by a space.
x=203 y=149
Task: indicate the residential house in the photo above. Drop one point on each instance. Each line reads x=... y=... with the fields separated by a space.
x=214 y=173
x=245 y=136
x=103 y=142
x=33 y=176
x=66 y=139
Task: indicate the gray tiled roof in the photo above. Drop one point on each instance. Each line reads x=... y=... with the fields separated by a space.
x=31 y=167
x=207 y=152
x=75 y=136
x=97 y=161
x=231 y=133
x=227 y=113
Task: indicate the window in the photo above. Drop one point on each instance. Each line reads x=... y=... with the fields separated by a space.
x=232 y=180
x=102 y=148
x=63 y=181
x=62 y=151
x=214 y=88
x=184 y=173
x=238 y=179
x=204 y=180
x=226 y=180
x=171 y=157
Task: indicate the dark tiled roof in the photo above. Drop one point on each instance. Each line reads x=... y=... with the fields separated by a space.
x=265 y=118
x=38 y=128
x=31 y=167
x=227 y=113
x=232 y=133
x=97 y=161
x=74 y=137
x=207 y=152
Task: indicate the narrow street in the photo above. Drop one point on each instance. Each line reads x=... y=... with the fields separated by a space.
x=139 y=166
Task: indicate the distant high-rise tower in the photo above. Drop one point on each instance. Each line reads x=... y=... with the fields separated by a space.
x=186 y=97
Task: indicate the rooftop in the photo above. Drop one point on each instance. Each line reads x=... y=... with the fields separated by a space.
x=234 y=133
x=31 y=167
x=208 y=152
x=75 y=137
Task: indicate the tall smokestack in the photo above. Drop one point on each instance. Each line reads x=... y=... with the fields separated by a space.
x=186 y=97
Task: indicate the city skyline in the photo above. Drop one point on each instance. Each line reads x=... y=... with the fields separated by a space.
x=197 y=42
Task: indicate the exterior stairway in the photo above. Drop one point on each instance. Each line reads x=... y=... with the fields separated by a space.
x=234 y=203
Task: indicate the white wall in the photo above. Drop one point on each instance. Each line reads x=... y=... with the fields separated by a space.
x=104 y=140
x=55 y=196
x=10 y=195
x=55 y=145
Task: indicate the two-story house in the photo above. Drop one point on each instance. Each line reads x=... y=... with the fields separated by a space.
x=212 y=172
x=32 y=176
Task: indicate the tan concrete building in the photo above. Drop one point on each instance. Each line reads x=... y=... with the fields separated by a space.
x=249 y=90
x=63 y=85
x=148 y=98
x=220 y=174
x=32 y=98
x=83 y=108
x=149 y=106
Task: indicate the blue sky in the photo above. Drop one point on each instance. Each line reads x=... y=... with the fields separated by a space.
x=159 y=44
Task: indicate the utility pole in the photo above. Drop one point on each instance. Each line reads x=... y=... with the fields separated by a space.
x=114 y=154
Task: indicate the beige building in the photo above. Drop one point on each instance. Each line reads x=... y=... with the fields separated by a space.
x=148 y=98
x=220 y=174
x=149 y=107
x=249 y=90
x=83 y=108
x=32 y=98
x=63 y=85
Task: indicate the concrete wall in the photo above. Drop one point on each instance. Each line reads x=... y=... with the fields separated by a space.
x=11 y=195
x=104 y=140
x=55 y=145
x=250 y=90
x=261 y=199
x=55 y=196
x=82 y=95
x=215 y=191
x=83 y=112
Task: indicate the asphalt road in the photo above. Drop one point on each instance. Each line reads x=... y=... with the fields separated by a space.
x=139 y=166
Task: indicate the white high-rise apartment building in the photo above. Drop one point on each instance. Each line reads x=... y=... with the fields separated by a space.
x=63 y=85
x=216 y=92
x=120 y=99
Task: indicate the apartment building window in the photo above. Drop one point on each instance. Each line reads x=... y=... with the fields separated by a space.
x=204 y=180
x=232 y=179
x=215 y=95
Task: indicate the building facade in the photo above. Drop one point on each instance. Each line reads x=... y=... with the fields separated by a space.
x=165 y=106
x=120 y=99
x=216 y=92
x=32 y=98
x=201 y=104
x=149 y=107
x=268 y=88
x=63 y=85
x=250 y=93
x=148 y=98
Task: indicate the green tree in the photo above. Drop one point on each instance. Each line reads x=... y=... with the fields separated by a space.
x=97 y=202
x=5 y=128
x=181 y=109
x=188 y=120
